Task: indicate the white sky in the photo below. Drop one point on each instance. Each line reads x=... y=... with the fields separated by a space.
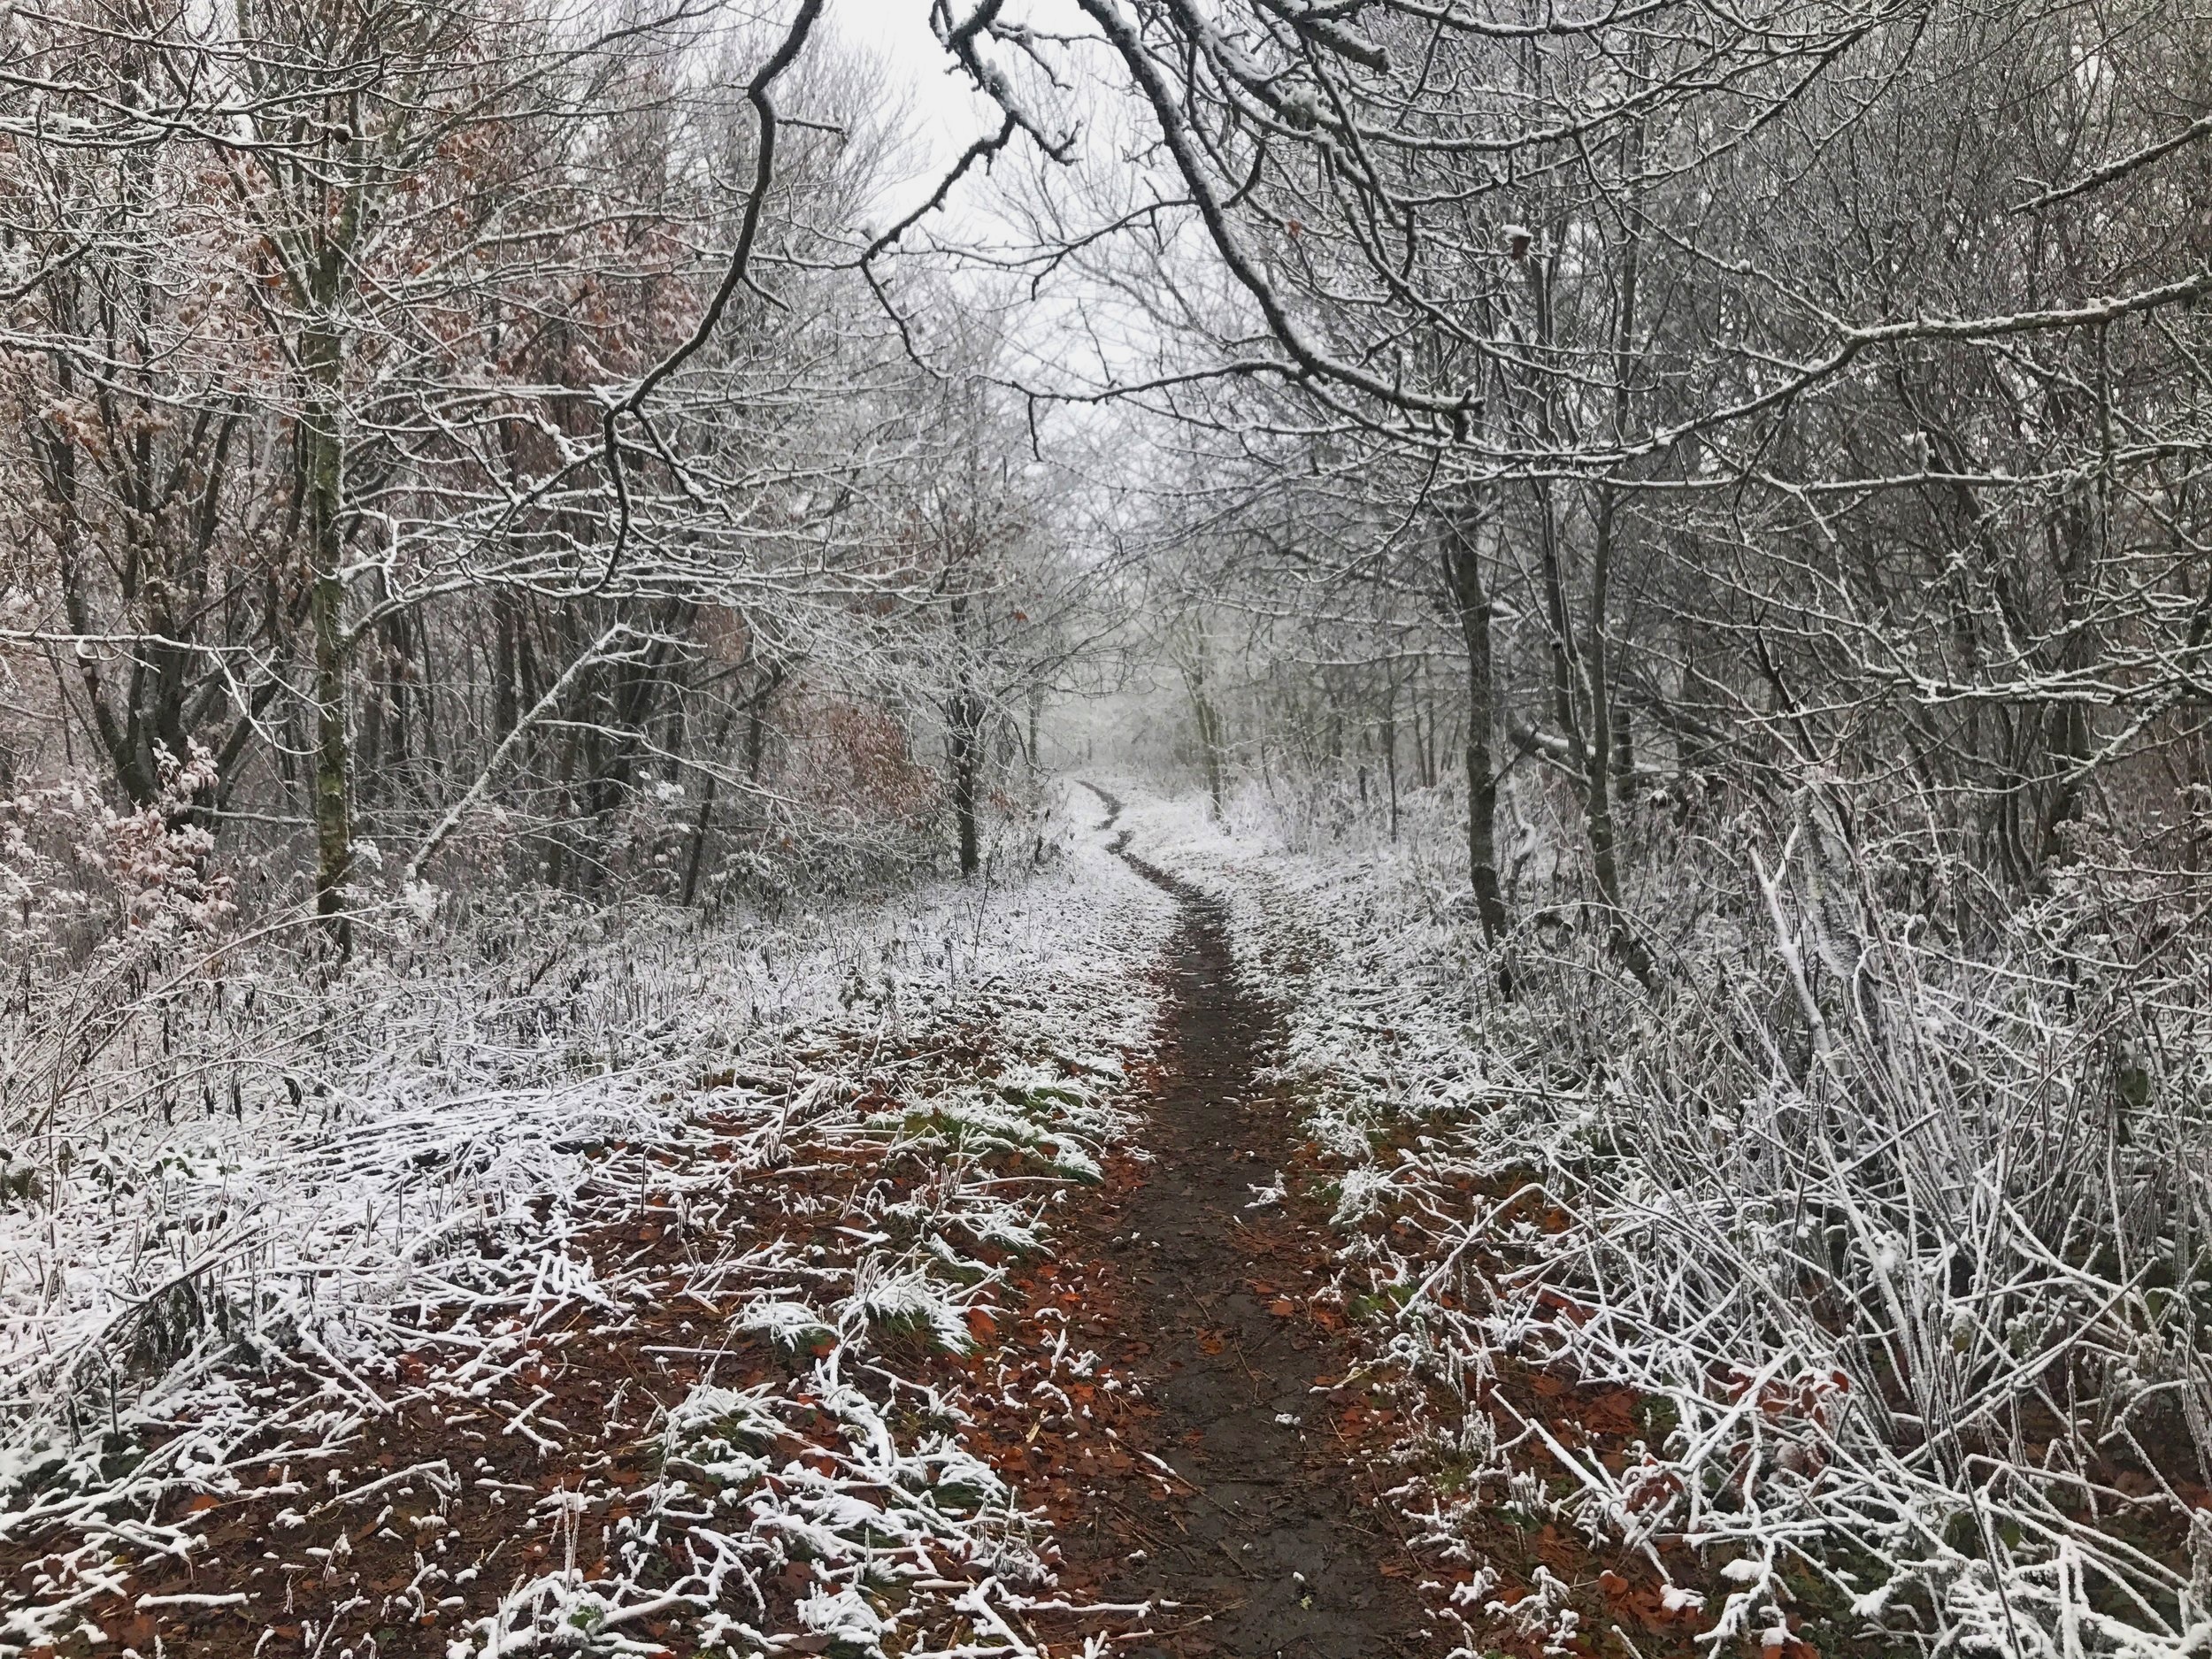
x=948 y=113
x=897 y=32
x=947 y=116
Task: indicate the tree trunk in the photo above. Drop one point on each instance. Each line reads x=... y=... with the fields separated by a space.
x=1597 y=750
x=1209 y=740
x=1208 y=719
x=964 y=753
x=506 y=707
x=1597 y=755
x=323 y=459
x=1390 y=754
x=705 y=821
x=1463 y=526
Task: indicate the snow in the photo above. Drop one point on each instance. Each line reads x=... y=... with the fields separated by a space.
x=1685 y=1172
x=212 y=1299
x=421 y=1147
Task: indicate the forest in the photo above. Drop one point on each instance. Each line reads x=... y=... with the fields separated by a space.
x=1018 y=829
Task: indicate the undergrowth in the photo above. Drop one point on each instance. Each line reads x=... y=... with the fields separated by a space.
x=1892 y=1215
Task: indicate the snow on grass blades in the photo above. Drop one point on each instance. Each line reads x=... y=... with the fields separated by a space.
x=758 y=1481
x=432 y=1191
x=1858 y=1284
x=1048 y=1125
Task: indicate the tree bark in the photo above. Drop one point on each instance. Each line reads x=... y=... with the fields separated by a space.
x=1207 y=718
x=964 y=744
x=1390 y=753
x=1597 y=750
x=323 y=467
x=1463 y=526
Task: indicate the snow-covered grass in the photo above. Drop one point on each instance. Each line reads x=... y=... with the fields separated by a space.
x=244 y=1190
x=1903 y=1233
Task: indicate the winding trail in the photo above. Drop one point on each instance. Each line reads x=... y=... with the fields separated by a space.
x=1204 y=1479
x=1264 y=1542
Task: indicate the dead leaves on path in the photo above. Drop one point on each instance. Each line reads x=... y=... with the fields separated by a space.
x=540 y=1456
x=410 y=1528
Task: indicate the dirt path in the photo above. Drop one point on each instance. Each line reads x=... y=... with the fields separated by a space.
x=1266 y=1540
x=1196 y=1466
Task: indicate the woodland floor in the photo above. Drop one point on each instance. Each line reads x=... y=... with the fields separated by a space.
x=1142 y=1397
x=1264 y=1542
x=1205 y=1498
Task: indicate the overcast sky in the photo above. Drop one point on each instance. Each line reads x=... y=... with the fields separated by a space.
x=1052 y=341
x=948 y=113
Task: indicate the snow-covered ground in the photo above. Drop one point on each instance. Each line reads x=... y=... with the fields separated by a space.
x=266 y=1198
x=1836 y=1299
x=1798 y=1290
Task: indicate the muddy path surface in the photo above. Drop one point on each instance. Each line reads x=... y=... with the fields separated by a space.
x=1266 y=1537
x=1196 y=1491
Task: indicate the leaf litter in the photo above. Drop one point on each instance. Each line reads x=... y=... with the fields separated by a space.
x=686 y=1346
